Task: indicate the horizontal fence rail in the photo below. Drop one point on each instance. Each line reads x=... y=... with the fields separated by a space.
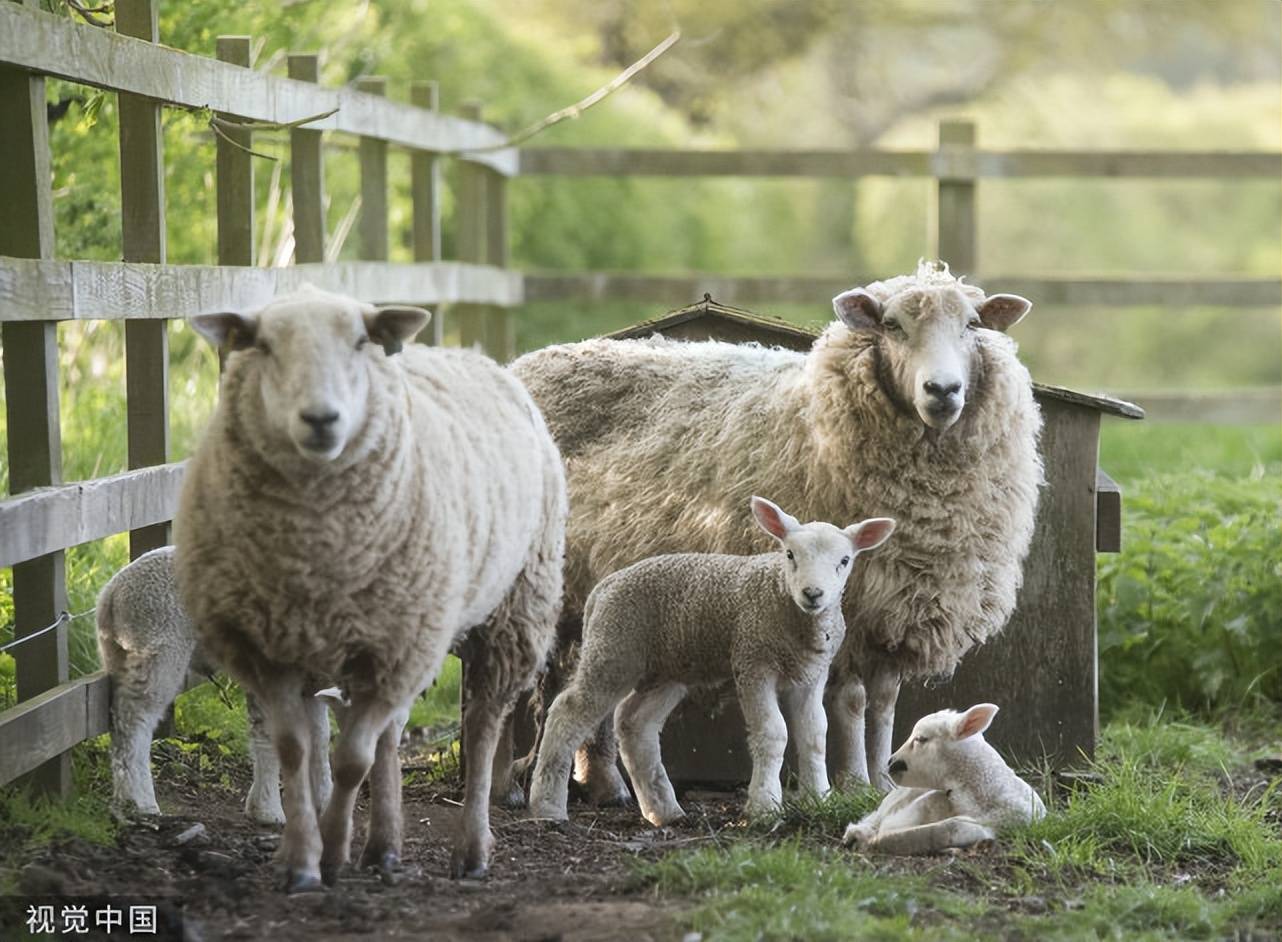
x=945 y=163
x=49 y=44
x=36 y=290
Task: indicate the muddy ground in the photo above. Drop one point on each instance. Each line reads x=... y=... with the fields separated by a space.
x=575 y=882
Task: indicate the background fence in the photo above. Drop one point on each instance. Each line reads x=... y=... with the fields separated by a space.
x=46 y=516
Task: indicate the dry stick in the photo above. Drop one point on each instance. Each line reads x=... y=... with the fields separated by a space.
x=579 y=107
x=91 y=14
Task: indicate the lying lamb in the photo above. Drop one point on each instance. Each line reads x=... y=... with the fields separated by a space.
x=149 y=649
x=771 y=622
x=912 y=405
x=347 y=518
x=954 y=790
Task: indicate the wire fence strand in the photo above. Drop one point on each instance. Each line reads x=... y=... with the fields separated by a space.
x=64 y=618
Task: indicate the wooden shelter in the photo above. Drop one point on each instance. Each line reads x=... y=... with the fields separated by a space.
x=1042 y=669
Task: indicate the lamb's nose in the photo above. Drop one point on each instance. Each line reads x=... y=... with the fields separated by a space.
x=942 y=390
x=897 y=766
x=812 y=594
x=318 y=419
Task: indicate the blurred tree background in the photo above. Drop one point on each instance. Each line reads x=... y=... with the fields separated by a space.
x=1072 y=74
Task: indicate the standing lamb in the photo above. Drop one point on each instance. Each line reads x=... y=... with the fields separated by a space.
x=347 y=518
x=149 y=650
x=953 y=790
x=912 y=405
x=771 y=622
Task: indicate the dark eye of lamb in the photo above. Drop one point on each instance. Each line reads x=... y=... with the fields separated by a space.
x=790 y=554
x=845 y=560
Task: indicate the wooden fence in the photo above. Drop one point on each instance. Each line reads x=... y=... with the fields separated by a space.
x=46 y=516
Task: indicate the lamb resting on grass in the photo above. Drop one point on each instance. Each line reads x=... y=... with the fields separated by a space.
x=347 y=518
x=149 y=649
x=953 y=790
x=771 y=622
x=912 y=405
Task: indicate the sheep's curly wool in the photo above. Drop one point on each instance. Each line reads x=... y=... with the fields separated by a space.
x=665 y=441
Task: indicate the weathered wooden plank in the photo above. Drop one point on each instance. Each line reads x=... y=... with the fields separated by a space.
x=46 y=726
x=956 y=229
x=40 y=521
x=425 y=194
x=307 y=173
x=586 y=161
x=1108 y=514
x=31 y=393
x=235 y=173
x=372 y=228
x=818 y=289
x=142 y=200
x=52 y=45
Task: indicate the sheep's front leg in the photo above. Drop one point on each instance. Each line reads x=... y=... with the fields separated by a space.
x=285 y=712
x=846 y=700
x=932 y=838
x=262 y=804
x=638 y=722
x=364 y=724
x=767 y=740
x=482 y=719
x=383 y=841
x=808 y=730
x=883 y=692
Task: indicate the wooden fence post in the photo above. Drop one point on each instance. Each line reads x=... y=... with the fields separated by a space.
x=373 y=159
x=470 y=237
x=425 y=191
x=31 y=388
x=500 y=325
x=235 y=174
x=955 y=230
x=307 y=173
x=142 y=202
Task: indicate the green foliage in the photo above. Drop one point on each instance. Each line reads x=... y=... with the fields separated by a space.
x=439 y=704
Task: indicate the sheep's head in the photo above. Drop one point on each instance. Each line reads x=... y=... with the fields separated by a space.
x=928 y=331
x=819 y=557
x=930 y=756
x=311 y=354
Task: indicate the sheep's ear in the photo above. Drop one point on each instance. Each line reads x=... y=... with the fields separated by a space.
x=869 y=534
x=227 y=331
x=773 y=520
x=974 y=721
x=858 y=309
x=390 y=327
x=1003 y=311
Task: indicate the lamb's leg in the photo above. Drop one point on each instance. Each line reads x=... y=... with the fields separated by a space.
x=767 y=739
x=808 y=730
x=507 y=790
x=364 y=724
x=262 y=804
x=638 y=722
x=142 y=689
x=282 y=699
x=318 y=728
x=596 y=767
x=883 y=692
x=383 y=841
x=845 y=700
x=932 y=838
x=573 y=715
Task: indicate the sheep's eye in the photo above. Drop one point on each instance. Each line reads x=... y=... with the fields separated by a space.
x=263 y=347
x=845 y=561
x=789 y=554
x=973 y=323
x=922 y=740
x=361 y=342
x=894 y=327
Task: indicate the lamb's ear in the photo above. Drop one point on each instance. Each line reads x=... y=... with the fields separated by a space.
x=871 y=533
x=858 y=309
x=773 y=520
x=227 y=331
x=390 y=327
x=1002 y=311
x=974 y=721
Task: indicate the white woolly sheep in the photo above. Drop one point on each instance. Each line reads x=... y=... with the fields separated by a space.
x=913 y=405
x=953 y=790
x=347 y=518
x=772 y=623
x=149 y=649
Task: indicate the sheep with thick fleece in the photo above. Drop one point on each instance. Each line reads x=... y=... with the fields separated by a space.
x=149 y=649
x=772 y=623
x=347 y=518
x=912 y=405
x=952 y=790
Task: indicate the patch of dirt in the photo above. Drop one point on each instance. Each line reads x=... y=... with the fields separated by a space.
x=572 y=882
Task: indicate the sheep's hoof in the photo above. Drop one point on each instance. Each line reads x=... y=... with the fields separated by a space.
x=386 y=863
x=662 y=819
x=471 y=861
x=513 y=797
x=857 y=836
x=301 y=881
x=329 y=872
x=548 y=813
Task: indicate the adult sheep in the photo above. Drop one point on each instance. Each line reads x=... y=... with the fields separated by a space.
x=912 y=405
x=347 y=518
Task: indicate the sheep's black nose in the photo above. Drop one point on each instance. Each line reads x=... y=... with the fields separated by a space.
x=318 y=420
x=814 y=595
x=940 y=391
x=898 y=765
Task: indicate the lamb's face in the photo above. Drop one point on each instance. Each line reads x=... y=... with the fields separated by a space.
x=929 y=759
x=929 y=341
x=311 y=356
x=818 y=556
